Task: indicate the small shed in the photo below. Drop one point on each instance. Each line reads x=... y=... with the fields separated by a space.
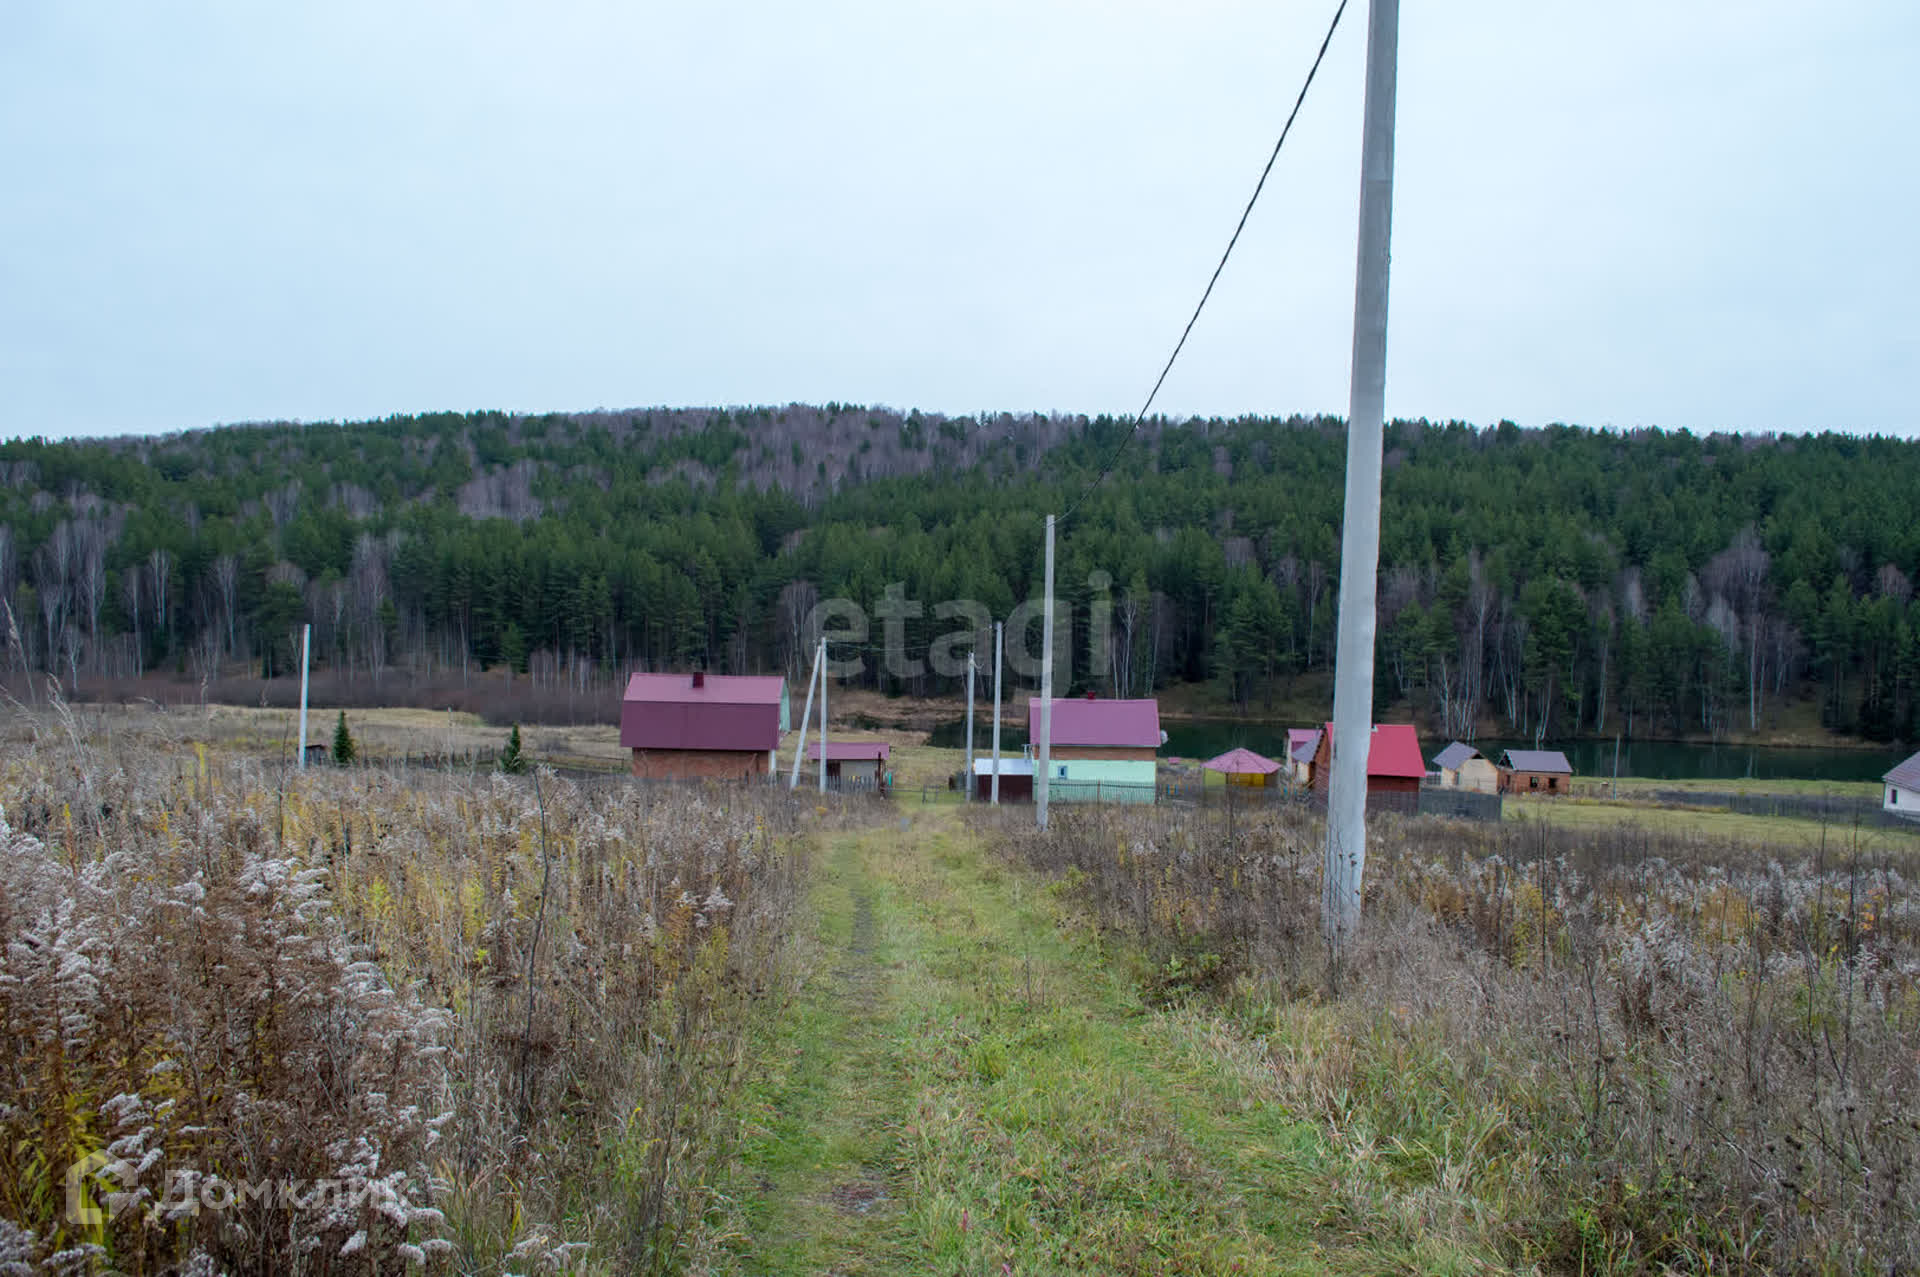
x=1461 y=766
x=1246 y=768
x=1903 y=789
x=1302 y=744
x=853 y=764
x=1016 y=779
x=1535 y=771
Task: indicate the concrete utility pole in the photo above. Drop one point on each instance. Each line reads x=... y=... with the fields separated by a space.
x=800 y=746
x=1043 y=764
x=823 y=713
x=968 y=797
x=1360 y=531
x=999 y=647
x=306 y=653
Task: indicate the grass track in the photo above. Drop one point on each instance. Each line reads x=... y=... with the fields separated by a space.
x=963 y=1086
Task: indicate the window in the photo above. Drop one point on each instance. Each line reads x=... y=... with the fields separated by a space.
x=1533 y=782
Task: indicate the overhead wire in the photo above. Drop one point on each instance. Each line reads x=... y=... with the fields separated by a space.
x=1245 y=213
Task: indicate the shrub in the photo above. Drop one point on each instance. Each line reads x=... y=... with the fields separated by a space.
x=1712 y=1056
x=509 y=1017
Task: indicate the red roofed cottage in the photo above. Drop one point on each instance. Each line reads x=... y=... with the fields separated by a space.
x=1394 y=764
x=703 y=726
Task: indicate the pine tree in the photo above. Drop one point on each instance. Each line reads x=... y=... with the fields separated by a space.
x=512 y=761
x=342 y=742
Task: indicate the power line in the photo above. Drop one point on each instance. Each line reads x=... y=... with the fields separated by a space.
x=1215 y=279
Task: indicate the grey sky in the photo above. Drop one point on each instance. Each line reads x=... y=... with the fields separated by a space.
x=1648 y=212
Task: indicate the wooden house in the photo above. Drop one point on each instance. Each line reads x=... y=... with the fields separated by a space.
x=1903 y=789
x=1461 y=766
x=1394 y=764
x=703 y=726
x=1535 y=771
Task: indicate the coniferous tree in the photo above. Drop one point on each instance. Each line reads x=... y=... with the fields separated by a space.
x=512 y=761
x=343 y=751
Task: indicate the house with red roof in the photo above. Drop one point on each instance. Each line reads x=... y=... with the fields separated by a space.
x=1394 y=762
x=1102 y=750
x=704 y=726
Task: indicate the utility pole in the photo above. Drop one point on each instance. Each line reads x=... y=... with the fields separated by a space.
x=1044 y=763
x=969 y=794
x=800 y=746
x=306 y=654
x=823 y=713
x=999 y=648
x=1360 y=531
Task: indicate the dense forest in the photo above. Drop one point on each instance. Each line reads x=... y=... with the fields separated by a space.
x=1545 y=583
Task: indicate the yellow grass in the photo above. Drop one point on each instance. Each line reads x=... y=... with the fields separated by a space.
x=1760 y=831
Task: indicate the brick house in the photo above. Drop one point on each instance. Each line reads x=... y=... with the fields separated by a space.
x=1535 y=771
x=703 y=726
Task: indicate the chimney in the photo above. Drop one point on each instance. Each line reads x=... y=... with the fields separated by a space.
x=1089 y=695
x=699 y=678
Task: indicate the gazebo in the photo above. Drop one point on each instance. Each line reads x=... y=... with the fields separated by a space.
x=1244 y=767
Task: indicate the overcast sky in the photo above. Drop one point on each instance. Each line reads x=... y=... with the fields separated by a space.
x=1650 y=212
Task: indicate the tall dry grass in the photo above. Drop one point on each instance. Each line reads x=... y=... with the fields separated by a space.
x=1617 y=1050
x=344 y=1021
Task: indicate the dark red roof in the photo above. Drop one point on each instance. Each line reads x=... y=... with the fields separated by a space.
x=1093 y=723
x=727 y=711
x=1394 y=750
x=844 y=751
x=714 y=689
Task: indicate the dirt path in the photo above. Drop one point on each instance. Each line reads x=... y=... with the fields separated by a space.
x=965 y=1087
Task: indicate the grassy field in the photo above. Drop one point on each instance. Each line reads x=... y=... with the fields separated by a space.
x=740 y=1031
x=1733 y=828
x=1633 y=786
x=972 y=1084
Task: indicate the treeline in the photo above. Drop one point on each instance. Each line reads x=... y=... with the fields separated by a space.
x=1537 y=582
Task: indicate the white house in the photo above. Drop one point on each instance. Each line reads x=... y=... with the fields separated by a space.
x=1903 y=789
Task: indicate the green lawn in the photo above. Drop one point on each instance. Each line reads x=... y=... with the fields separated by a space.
x=967 y=1085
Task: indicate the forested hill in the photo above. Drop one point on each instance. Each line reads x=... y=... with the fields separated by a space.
x=1536 y=581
